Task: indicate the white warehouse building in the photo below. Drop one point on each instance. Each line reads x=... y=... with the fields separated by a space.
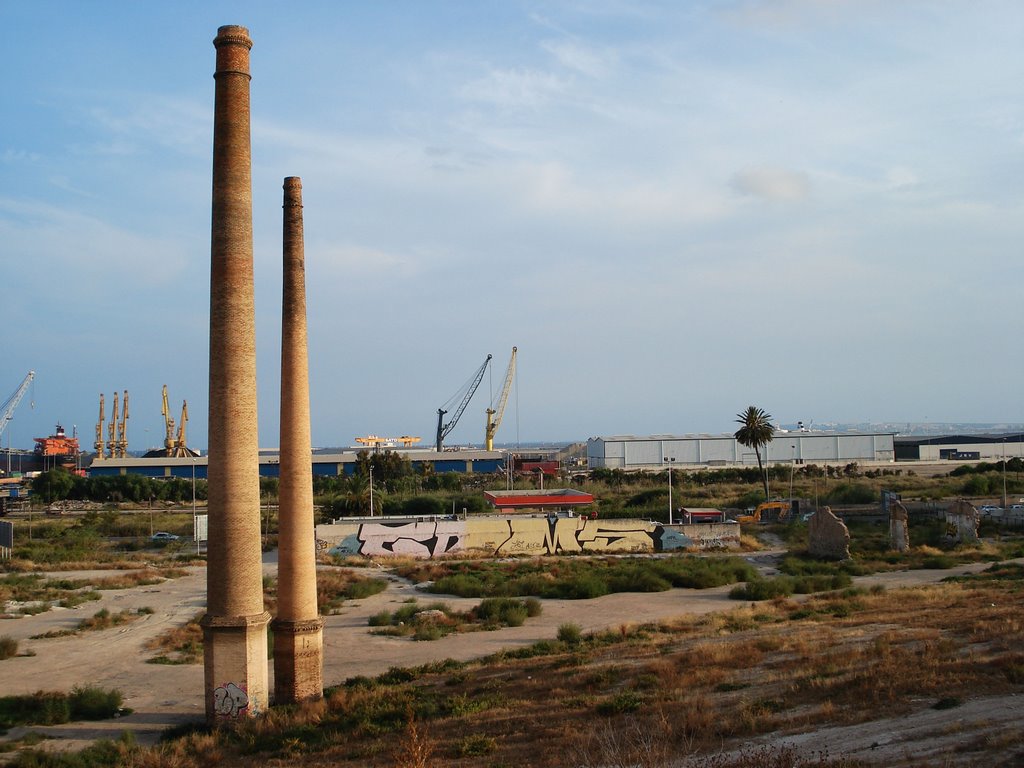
x=659 y=451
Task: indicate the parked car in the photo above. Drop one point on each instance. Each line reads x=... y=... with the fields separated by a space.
x=1017 y=509
x=990 y=511
x=164 y=536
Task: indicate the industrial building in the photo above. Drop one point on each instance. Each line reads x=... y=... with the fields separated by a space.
x=330 y=464
x=660 y=451
x=960 y=447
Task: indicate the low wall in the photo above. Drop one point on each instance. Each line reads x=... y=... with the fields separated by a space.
x=518 y=535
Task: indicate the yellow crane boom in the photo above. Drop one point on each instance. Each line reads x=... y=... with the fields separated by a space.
x=112 y=430
x=122 y=431
x=376 y=441
x=180 y=449
x=494 y=415
x=168 y=425
x=99 y=445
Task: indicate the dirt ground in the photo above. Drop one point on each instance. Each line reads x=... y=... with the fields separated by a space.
x=162 y=696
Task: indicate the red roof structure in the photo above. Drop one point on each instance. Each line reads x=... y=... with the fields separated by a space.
x=530 y=499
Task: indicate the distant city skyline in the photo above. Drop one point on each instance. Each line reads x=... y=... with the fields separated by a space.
x=673 y=210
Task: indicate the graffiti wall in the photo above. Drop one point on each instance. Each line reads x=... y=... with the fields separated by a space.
x=518 y=535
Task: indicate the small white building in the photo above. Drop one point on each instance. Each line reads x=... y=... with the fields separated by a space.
x=660 y=451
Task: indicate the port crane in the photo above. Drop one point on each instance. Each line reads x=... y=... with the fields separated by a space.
x=376 y=442
x=12 y=402
x=112 y=429
x=494 y=415
x=99 y=445
x=466 y=392
x=180 y=448
x=168 y=425
x=122 y=429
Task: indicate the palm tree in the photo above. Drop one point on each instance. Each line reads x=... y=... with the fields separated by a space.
x=755 y=430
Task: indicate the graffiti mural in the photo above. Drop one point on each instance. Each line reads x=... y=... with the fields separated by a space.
x=230 y=700
x=518 y=535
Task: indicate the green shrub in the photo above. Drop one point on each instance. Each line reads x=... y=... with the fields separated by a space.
x=92 y=703
x=381 y=619
x=621 y=703
x=8 y=647
x=506 y=611
x=428 y=631
x=100 y=754
x=396 y=675
x=40 y=708
x=461 y=584
x=763 y=589
x=638 y=580
x=584 y=587
x=852 y=493
x=361 y=588
x=533 y=607
x=822 y=582
x=570 y=633
x=476 y=745
x=938 y=562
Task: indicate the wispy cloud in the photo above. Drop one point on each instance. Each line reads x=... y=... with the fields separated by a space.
x=583 y=59
x=512 y=88
x=350 y=260
x=773 y=184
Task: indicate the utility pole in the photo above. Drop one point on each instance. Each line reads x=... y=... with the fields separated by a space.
x=670 y=460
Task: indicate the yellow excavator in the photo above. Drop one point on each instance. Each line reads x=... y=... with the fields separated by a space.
x=494 y=415
x=777 y=511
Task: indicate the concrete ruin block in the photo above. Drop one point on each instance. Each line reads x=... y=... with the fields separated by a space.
x=962 y=523
x=899 y=527
x=827 y=536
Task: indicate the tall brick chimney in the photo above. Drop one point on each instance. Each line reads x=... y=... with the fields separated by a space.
x=235 y=625
x=298 y=628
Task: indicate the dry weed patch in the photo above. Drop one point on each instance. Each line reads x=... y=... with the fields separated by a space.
x=181 y=645
x=649 y=695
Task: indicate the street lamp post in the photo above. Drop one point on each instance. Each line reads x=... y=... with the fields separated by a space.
x=1004 y=475
x=792 y=469
x=195 y=517
x=371 y=490
x=670 y=460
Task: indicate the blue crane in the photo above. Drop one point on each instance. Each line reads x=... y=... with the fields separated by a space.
x=466 y=391
x=12 y=402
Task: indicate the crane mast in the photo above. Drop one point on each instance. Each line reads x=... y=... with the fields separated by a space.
x=99 y=445
x=13 y=400
x=168 y=425
x=442 y=428
x=180 y=449
x=494 y=415
x=112 y=430
x=122 y=430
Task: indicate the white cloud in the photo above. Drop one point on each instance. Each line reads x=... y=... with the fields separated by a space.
x=774 y=184
x=355 y=259
x=510 y=88
x=12 y=156
x=900 y=176
x=581 y=58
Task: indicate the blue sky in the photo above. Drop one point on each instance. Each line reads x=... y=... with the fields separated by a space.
x=673 y=210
